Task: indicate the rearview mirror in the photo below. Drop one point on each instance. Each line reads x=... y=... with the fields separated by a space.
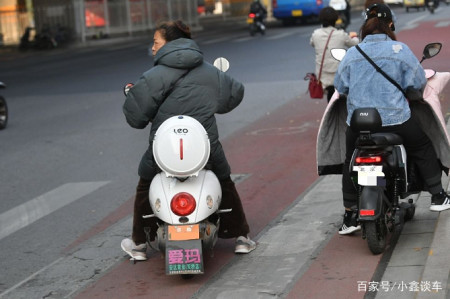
x=222 y=64
x=431 y=50
x=338 y=54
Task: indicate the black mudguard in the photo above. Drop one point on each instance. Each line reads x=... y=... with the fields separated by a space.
x=371 y=199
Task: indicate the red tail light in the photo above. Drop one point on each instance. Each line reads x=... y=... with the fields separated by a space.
x=319 y=2
x=274 y=4
x=251 y=15
x=367 y=212
x=183 y=204
x=373 y=159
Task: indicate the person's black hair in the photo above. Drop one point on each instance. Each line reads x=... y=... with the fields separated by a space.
x=328 y=16
x=172 y=30
x=378 y=20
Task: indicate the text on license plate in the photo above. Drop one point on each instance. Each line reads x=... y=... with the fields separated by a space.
x=184 y=232
x=370 y=175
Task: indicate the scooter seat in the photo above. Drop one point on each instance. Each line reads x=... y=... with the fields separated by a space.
x=387 y=139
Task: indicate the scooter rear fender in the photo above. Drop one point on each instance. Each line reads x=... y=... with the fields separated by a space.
x=205 y=188
x=371 y=199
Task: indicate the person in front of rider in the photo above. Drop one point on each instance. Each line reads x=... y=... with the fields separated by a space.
x=258 y=8
x=182 y=83
x=348 y=12
x=365 y=87
x=339 y=39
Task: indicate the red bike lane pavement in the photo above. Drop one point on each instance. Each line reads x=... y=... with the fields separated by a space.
x=278 y=155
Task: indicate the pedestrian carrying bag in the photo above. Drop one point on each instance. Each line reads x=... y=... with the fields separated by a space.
x=315 y=86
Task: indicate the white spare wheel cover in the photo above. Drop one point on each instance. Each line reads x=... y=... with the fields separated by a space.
x=181 y=146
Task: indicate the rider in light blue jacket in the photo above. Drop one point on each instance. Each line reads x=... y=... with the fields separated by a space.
x=366 y=87
x=369 y=88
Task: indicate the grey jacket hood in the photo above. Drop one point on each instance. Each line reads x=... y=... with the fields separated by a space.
x=181 y=53
x=182 y=83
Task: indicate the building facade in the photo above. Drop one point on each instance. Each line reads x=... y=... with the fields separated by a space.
x=80 y=20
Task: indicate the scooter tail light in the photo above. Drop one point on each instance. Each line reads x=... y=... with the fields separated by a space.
x=251 y=15
x=366 y=212
x=371 y=159
x=183 y=204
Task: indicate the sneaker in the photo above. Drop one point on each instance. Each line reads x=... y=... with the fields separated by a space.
x=137 y=252
x=440 y=202
x=350 y=224
x=244 y=245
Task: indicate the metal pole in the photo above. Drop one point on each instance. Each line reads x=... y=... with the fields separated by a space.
x=80 y=18
x=106 y=11
x=128 y=10
x=169 y=9
x=149 y=15
x=189 y=18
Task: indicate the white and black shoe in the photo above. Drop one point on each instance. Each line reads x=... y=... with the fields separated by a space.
x=244 y=245
x=137 y=252
x=350 y=224
x=440 y=202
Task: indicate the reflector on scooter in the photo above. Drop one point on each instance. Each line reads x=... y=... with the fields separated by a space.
x=373 y=159
x=181 y=148
x=367 y=212
x=183 y=204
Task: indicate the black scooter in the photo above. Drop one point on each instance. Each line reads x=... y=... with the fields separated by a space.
x=382 y=175
x=256 y=24
x=3 y=110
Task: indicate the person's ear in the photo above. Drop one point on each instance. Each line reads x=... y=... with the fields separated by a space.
x=391 y=26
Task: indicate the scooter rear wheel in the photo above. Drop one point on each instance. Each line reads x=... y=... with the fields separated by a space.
x=3 y=113
x=376 y=233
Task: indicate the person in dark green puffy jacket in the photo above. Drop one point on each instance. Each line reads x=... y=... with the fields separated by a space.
x=182 y=83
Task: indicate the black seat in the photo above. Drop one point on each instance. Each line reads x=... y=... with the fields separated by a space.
x=387 y=139
x=379 y=139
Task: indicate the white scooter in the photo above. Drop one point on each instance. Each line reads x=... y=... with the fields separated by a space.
x=185 y=196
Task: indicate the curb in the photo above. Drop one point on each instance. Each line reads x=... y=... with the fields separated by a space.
x=437 y=267
x=419 y=266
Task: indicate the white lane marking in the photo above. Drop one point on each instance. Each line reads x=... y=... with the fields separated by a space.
x=217 y=40
x=29 y=278
x=242 y=39
x=443 y=24
x=283 y=130
x=413 y=23
x=33 y=210
x=281 y=35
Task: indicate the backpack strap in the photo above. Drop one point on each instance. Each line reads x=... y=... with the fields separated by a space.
x=323 y=56
x=380 y=70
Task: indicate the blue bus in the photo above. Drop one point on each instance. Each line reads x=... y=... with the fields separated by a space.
x=289 y=11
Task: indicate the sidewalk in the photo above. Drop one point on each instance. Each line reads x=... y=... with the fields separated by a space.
x=417 y=267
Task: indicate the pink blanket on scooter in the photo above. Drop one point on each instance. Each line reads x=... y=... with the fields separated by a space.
x=330 y=150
